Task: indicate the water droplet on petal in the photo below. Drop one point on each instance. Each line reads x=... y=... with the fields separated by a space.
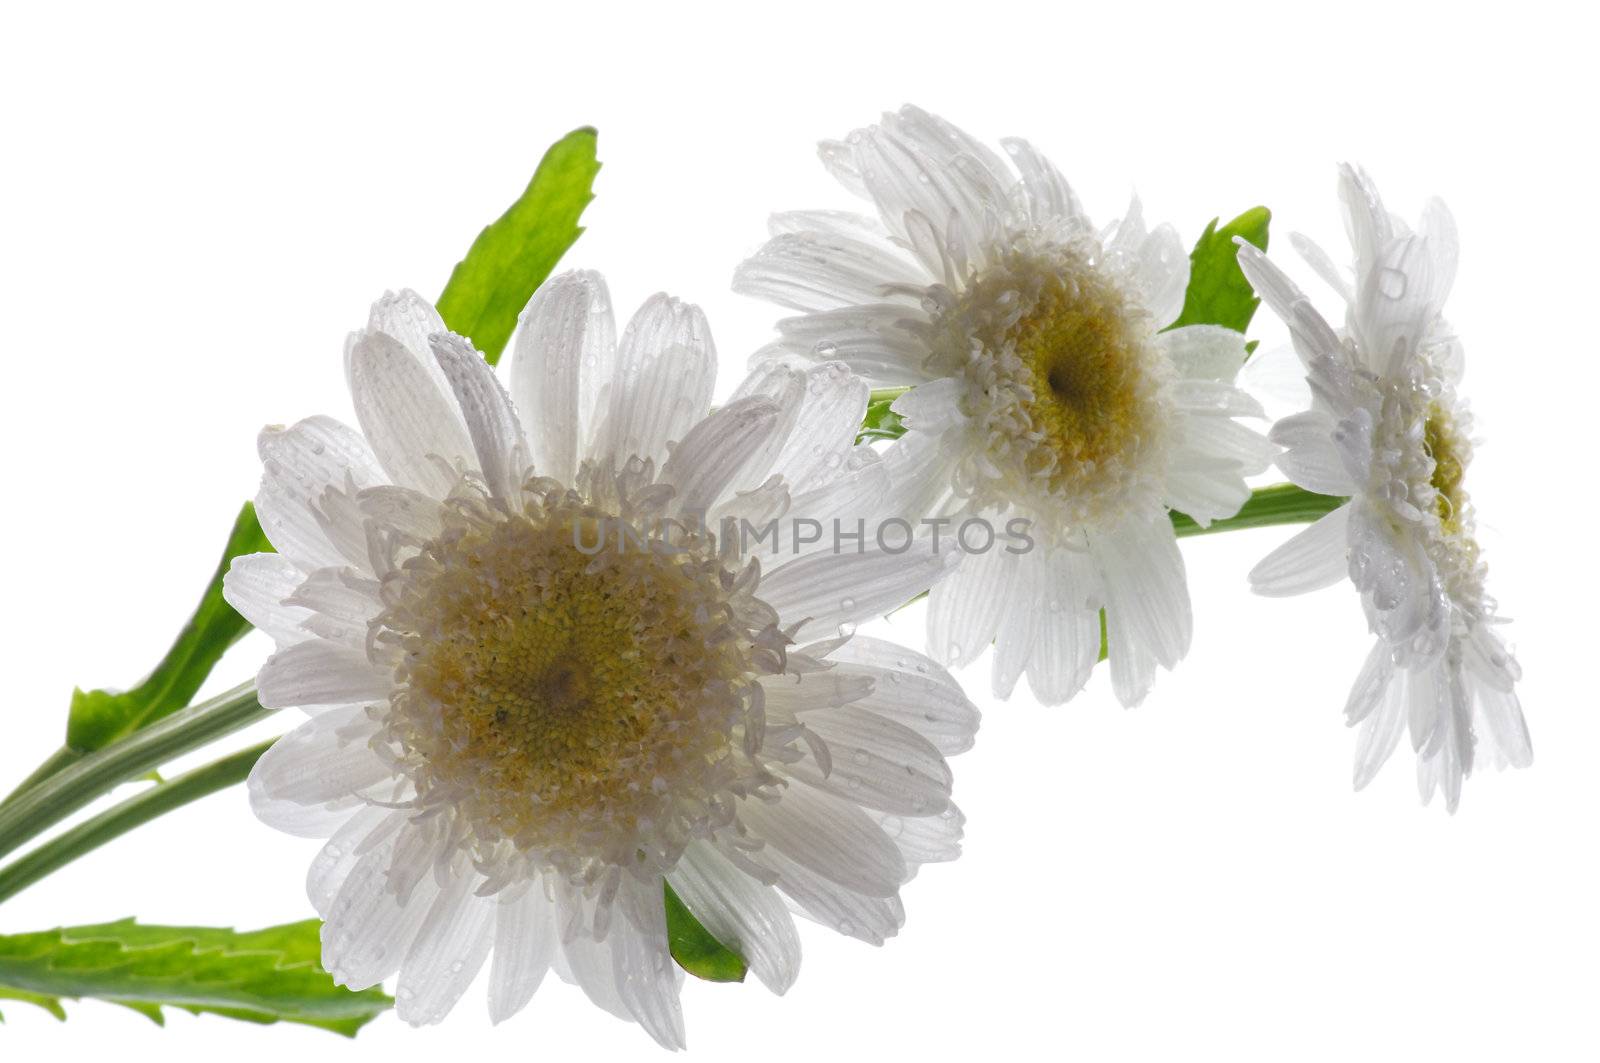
x=1392 y=283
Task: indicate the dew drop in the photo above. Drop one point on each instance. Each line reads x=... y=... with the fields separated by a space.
x=847 y=603
x=953 y=652
x=1392 y=283
x=846 y=629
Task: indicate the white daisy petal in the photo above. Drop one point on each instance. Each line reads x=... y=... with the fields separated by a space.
x=1397 y=304
x=318 y=672
x=1067 y=644
x=666 y=366
x=910 y=689
x=741 y=912
x=565 y=354
x=807 y=271
x=1274 y=287
x=1049 y=197
x=309 y=780
x=1133 y=666
x=1206 y=490
x=406 y=411
x=840 y=161
x=1380 y=731
x=964 y=609
x=1018 y=635
x=828 y=589
x=360 y=831
x=1310 y=457
x=875 y=763
x=830 y=837
x=709 y=461
x=369 y=928
x=1146 y=596
x=447 y=953
x=1163 y=273
x=1204 y=352
x=870 y=919
x=1367 y=222
x=306 y=467
x=824 y=433
x=258 y=586
x=491 y=422
x=1320 y=261
x=879 y=342
x=524 y=944
x=933 y=407
x=1314 y=558
x=647 y=979
x=925 y=839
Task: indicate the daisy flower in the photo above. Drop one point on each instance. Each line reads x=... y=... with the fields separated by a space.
x=1044 y=391
x=1388 y=428
x=541 y=690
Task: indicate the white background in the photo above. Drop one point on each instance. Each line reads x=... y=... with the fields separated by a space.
x=197 y=204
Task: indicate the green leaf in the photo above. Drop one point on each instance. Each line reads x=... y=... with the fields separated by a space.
x=512 y=257
x=880 y=421
x=264 y=976
x=101 y=717
x=1218 y=293
x=695 y=949
x=50 y=1004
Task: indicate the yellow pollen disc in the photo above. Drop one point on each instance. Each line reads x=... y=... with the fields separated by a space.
x=552 y=691
x=1084 y=372
x=1447 y=449
x=1064 y=384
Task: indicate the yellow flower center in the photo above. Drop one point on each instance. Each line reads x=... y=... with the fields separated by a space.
x=1448 y=450
x=1084 y=373
x=1062 y=381
x=553 y=695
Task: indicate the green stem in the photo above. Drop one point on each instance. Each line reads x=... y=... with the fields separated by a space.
x=61 y=758
x=37 y=809
x=120 y=819
x=1267 y=506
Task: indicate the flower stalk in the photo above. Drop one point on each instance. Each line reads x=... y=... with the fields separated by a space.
x=32 y=811
x=120 y=819
x=1266 y=507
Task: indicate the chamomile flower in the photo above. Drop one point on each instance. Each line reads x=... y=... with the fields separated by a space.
x=542 y=688
x=1388 y=428
x=1045 y=394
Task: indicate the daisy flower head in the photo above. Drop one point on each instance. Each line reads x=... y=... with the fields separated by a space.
x=545 y=691
x=1388 y=428
x=1045 y=388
